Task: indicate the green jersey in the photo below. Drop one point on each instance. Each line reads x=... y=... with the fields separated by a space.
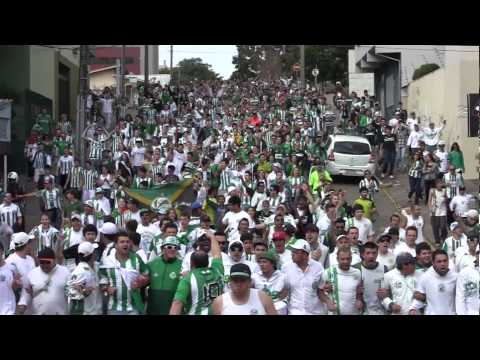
x=200 y=287
x=164 y=279
x=119 y=275
x=44 y=120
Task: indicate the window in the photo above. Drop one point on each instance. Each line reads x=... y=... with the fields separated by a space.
x=351 y=148
x=473 y=115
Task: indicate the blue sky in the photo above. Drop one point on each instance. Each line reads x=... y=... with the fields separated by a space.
x=219 y=56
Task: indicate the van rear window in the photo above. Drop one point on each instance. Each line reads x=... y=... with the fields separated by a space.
x=351 y=148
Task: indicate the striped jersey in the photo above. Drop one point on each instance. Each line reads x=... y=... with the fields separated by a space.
x=416 y=169
x=9 y=214
x=200 y=287
x=90 y=179
x=46 y=237
x=157 y=171
x=65 y=164
x=225 y=179
x=119 y=275
x=39 y=160
x=116 y=141
x=295 y=182
x=76 y=176
x=51 y=198
x=96 y=149
x=452 y=184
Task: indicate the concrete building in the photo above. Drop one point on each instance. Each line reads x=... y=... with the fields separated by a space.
x=392 y=67
x=107 y=55
x=36 y=77
x=103 y=77
x=448 y=93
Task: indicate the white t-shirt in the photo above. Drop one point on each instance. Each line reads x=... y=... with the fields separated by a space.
x=460 y=204
x=106 y=105
x=138 y=155
x=402 y=289
x=372 y=281
x=443 y=157
x=147 y=233
x=365 y=229
x=418 y=223
x=411 y=123
x=232 y=220
x=53 y=301
x=393 y=122
x=7 y=296
x=347 y=282
x=439 y=291
x=440 y=202
x=403 y=247
x=401 y=233
x=387 y=260
x=23 y=267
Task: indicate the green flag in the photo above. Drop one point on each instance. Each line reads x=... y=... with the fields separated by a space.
x=159 y=195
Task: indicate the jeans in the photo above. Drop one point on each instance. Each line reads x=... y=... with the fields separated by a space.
x=401 y=157
x=428 y=185
x=439 y=228
x=389 y=161
x=415 y=188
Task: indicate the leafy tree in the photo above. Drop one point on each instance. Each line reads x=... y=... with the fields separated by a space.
x=191 y=69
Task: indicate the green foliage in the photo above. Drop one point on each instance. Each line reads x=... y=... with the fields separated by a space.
x=190 y=70
x=424 y=70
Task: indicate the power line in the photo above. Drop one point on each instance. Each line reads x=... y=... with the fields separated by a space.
x=413 y=49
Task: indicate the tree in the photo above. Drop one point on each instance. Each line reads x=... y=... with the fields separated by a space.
x=192 y=69
x=424 y=70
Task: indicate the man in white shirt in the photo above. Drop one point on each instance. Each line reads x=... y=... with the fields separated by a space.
x=466 y=256
x=399 y=286
x=233 y=217
x=345 y=282
x=412 y=121
x=385 y=254
x=442 y=157
x=46 y=286
x=431 y=135
x=138 y=153
x=372 y=274
x=101 y=204
x=343 y=241
x=436 y=288
x=147 y=231
x=107 y=109
x=279 y=242
x=414 y=139
x=305 y=281
x=410 y=241
x=9 y=282
x=363 y=224
x=395 y=223
x=394 y=122
x=459 y=205
x=467 y=297
x=21 y=263
x=457 y=240
x=319 y=251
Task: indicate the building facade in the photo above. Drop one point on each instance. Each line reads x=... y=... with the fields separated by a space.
x=37 y=77
x=107 y=55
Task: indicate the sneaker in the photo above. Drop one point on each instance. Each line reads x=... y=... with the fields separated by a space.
x=392 y=177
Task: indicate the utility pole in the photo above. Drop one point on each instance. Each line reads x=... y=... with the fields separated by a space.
x=145 y=90
x=122 y=74
x=82 y=103
x=171 y=59
x=302 y=65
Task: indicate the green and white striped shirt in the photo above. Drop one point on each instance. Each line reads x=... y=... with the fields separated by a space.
x=76 y=174
x=96 y=149
x=46 y=237
x=119 y=275
x=90 y=179
x=200 y=287
x=51 y=199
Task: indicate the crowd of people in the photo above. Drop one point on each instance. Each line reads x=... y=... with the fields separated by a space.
x=267 y=231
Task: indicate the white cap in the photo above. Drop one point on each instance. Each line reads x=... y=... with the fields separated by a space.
x=300 y=244
x=89 y=203
x=454 y=225
x=86 y=248
x=472 y=213
x=21 y=238
x=109 y=229
x=231 y=188
x=441 y=142
x=98 y=190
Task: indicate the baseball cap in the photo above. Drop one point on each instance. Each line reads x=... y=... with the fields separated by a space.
x=196 y=205
x=441 y=143
x=300 y=244
x=384 y=237
x=98 y=190
x=89 y=203
x=76 y=216
x=454 y=226
x=109 y=229
x=171 y=240
x=231 y=188
x=86 y=248
x=240 y=271
x=279 y=235
x=269 y=255
x=21 y=238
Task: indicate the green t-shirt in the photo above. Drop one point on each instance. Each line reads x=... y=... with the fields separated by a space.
x=367 y=206
x=200 y=287
x=164 y=279
x=44 y=120
x=60 y=145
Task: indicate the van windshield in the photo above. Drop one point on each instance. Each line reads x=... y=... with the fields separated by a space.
x=351 y=148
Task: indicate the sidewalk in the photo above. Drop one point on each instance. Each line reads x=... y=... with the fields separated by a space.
x=398 y=188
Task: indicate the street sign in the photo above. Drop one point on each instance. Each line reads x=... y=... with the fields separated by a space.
x=315 y=72
x=296 y=67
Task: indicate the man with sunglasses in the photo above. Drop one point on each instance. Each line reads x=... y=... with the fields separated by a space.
x=45 y=286
x=164 y=277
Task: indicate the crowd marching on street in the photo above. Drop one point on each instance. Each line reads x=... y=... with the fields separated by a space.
x=268 y=231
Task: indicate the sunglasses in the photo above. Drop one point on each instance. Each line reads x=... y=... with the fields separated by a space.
x=170 y=247
x=236 y=249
